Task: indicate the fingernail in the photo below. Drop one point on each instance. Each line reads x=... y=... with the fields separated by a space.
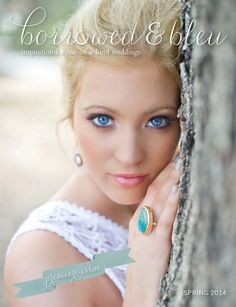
x=173 y=189
x=178 y=164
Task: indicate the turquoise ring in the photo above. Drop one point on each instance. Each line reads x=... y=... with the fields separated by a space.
x=145 y=221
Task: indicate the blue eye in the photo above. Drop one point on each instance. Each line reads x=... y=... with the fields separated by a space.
x=160 y=122
x=100 y=120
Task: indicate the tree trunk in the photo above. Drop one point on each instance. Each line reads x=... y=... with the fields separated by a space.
x=203 y=255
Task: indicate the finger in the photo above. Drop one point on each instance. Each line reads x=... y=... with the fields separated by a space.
x=167 y=217
x=161 y=198
x=162 y=203
x=166 y=170
x=156 y=185
x=159 y=205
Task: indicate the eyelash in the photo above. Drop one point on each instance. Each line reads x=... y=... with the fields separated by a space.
x=97 y=115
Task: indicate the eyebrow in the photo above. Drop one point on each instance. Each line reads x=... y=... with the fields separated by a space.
x=118 y=113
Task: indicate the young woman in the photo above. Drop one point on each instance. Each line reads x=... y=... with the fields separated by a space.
x=122 y=92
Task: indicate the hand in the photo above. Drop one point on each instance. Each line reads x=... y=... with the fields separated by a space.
x=152 y=252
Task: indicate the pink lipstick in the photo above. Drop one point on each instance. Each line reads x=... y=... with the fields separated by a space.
x=128 y=180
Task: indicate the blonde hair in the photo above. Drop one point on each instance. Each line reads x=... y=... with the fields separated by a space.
x=122 y=16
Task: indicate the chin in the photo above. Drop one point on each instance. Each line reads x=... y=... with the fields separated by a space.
x=130 y=198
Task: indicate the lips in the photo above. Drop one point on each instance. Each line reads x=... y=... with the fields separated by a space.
x=129 y=175
x=129 y=180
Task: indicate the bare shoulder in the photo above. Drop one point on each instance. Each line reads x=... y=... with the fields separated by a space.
x=39 y=250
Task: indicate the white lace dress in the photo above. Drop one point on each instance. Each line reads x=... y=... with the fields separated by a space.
x=86 y=230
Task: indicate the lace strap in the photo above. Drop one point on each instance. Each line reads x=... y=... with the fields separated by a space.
x=86 y=230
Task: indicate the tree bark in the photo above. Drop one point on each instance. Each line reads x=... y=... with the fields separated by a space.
x=203 y=254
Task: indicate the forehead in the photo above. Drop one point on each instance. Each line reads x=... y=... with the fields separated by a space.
x=134 y=86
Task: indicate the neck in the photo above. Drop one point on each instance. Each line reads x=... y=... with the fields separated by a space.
x=88 y=194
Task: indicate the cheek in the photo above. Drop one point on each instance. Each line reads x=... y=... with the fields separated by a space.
x=91 y=146
x=162 y=150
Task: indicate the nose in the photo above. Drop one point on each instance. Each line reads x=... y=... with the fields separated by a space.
x=129 y=149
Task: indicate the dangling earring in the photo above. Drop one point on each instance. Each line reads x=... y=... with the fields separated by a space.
x=78 y=159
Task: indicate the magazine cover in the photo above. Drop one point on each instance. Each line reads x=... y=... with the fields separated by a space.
x=118 y=125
